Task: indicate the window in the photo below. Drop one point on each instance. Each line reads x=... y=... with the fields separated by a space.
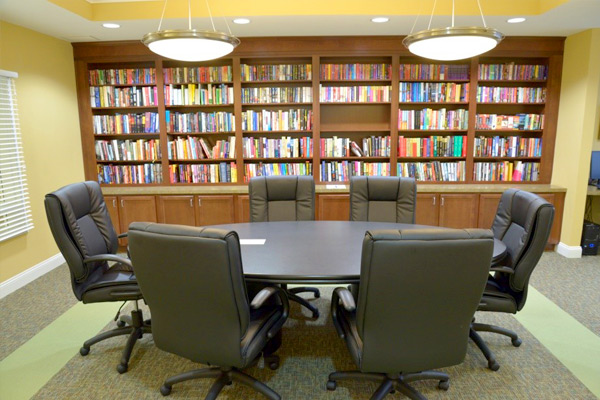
x=15 y=213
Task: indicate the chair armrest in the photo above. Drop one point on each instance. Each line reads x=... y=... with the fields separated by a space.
x=343 y=295
x=260 y=299
x=123 y=235
x=108 y=257
x=502 y=268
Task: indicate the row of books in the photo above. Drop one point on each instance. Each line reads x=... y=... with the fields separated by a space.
x=516 y=171
x=434 y=72
x=123 y=76
x=276 y=72
x=340 y=171
x=285 y=147
x=511 y=94
x=198 y=94
x=193 y=148
x=338 y=72
x=221 y=73
x=278 y=120
x=277 y=169
x=126 y=123
x=223 y=172
x=124 y=174
x=524 y=122
x=220 y=121
x=356 y=94
x=428 y=118
x=284 y=94
x=432 y=146
x=344 y=147
x=511 y=146
x=512 y=72
x=435 y=92
x=433 y=171
x=127 y=150
x=110 y=96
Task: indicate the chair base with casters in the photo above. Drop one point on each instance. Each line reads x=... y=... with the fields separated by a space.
x=480 y=343
x=293 y=295
x=392 y=382
x=133 y=325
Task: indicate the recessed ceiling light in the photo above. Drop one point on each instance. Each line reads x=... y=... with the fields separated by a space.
x=380 y=20
x=515 y=20
x=241 y=21
x=111 y=25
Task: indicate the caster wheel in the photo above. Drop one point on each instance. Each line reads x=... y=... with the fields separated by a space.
x=122 y=368
x=316 y=314
x=273 y=365
x=444 y=385
x=165 y=390
x=493 y=365
x=84 y=351
x=331 y=385
x=517 y=342
x=317 y=294
x=121 y=323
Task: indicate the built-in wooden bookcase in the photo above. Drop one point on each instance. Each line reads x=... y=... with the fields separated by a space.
x=328 y=107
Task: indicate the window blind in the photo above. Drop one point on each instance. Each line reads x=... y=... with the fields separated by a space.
x=15 y=210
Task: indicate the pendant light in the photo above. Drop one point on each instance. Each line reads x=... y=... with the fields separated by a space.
x=190 y=44
x=452 y=43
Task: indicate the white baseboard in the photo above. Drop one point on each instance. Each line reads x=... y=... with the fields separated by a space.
x=568 y=251
x=29 y=275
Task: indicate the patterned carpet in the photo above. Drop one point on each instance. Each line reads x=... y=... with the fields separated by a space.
x=311 y=350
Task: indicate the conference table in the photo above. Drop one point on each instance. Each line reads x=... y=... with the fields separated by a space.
x=311 y=252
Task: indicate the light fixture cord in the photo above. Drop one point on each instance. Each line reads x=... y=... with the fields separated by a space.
x=190 y=15
x=210 y=16
x=162 y=15
x=416 y=19
x=453 y=12
x=431 y=18
x=481 y=12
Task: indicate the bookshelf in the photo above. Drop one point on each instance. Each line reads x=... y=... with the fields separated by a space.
x=327 y=107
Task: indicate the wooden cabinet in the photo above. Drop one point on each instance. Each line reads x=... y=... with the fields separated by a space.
x=113 y=211
x=333 y=207
x=488 y=205
x=447 y=209
x=242 y=208
x=136 y=209
x=427 y=211
x=196 y=210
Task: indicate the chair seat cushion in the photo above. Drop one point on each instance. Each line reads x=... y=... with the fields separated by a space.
x=117 y=283
x=255 y=339
x=494 y=299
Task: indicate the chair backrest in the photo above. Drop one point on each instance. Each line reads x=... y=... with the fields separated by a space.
x=523 y=222
x=81 y=227
x=192 y=280
x=383 y=199
x=418 y=292
x=282 y=198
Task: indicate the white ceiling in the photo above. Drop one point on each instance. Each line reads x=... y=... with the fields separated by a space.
x=48 y=18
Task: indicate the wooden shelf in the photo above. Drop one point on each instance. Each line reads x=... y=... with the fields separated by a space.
x=201 y=161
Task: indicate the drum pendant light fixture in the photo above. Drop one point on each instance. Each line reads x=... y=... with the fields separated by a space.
x=452 y=43
x=190 y=44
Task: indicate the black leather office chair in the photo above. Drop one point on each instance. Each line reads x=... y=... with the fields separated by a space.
x=86 y=238
x=383 y=199
x=523 y=222
x=419 y=291
x=192 y=280
x=285 y=198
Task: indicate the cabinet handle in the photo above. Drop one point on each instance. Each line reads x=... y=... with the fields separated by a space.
x=191 y=202
x=442 y=201
x=114 y=203
x=122 y=206
x=434 y=200
x=199 y=202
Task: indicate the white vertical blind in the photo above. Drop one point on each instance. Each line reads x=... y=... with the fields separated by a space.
x=15 y=213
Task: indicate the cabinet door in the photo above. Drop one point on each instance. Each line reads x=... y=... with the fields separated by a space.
x=459 y=210
x=242 y=208
x=488 y=205
x=215 y=210
x=427 y=209
x=178 y=210
x=136 y=208
x=113 y=211
x=333 y=207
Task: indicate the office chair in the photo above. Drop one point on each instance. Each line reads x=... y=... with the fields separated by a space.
x=408 y=318
x=523 y=222
x=86 y=238
x=285 y=198
x=193 y=282
x=382 y=199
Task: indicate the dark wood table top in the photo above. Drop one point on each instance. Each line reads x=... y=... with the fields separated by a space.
x=308 y=251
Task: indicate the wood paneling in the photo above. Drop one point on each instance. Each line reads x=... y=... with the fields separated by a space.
x=243 y=208
x=215 y=210
x=428 y=209
x=333 y=207
x=488 y=205
x=178 y=210
x=136 y=209
x=459 y=210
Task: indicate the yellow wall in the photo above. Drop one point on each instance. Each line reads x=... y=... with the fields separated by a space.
x=48 y=113
x=577 y=127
